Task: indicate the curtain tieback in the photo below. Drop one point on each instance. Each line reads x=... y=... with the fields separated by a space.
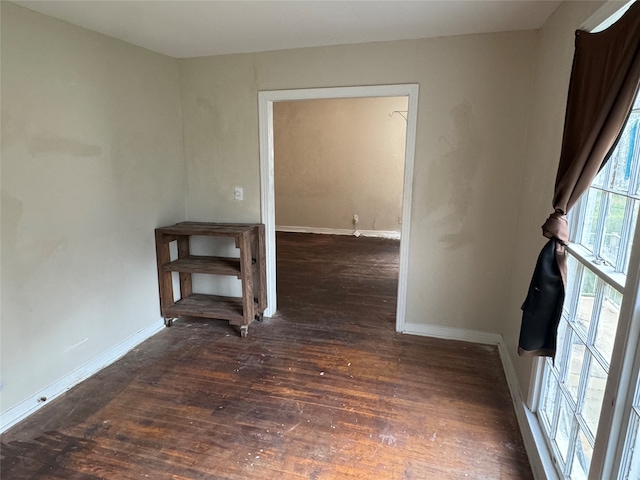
x=557 y=227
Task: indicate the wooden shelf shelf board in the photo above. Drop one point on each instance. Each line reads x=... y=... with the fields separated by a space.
x=209 y=306
x=205 y=264
x=217 y=230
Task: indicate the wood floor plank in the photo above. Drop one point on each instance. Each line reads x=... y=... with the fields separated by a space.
x=324 y=390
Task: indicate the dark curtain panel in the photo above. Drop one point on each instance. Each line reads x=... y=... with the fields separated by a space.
x=603 y=86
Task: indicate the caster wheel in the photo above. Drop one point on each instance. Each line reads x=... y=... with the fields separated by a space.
x=259 y=317
x=168 y=322
x=244 y=331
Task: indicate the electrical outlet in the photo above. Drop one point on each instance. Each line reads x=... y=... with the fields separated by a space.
x=238 y=193
x=355 y=218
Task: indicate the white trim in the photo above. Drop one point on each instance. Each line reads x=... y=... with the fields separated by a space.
x=606 y=16
x=340 y=231
x=452 y=333
x=407 y=195
x=535 y=384
x=32 y=404
x=533 y=438
x=267 y=195
x=399 y=90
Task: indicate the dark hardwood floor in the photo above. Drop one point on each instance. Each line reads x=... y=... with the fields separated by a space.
x=324 y=390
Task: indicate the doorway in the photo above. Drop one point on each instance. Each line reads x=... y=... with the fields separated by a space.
x=266 y=101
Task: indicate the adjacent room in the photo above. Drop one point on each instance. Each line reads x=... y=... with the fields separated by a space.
x=339 y=165
x=338 y=187
x=384 y=169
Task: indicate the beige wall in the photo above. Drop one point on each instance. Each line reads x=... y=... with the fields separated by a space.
x=338 y=157
x=475 y=94
x=541 y=162
x=91 y=162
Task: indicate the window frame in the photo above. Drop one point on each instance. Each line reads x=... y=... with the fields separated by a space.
x=624 y=369
x=623 y=381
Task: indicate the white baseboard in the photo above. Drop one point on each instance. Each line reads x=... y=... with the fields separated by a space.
x=340 y=231
x=452 y=333
x=532 y=436
x=32 y=403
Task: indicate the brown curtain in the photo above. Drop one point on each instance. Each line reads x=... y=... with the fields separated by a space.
x=603 y=86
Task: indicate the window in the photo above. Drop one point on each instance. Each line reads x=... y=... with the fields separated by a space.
x=600 y=296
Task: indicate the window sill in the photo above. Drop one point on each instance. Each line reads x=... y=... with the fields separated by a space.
x=544 y=454
x=616 y=279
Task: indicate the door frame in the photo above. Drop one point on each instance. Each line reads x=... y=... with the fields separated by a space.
x=267 y=183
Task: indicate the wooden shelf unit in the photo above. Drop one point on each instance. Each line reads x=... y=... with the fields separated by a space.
x=250 y=268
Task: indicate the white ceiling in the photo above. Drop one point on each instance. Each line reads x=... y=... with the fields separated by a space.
x=183 y=28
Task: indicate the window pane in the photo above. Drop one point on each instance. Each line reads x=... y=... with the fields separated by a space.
x=608 y=322
x=573 y=267
x=591 y=215
x=548 y=403
x=600 y=178
x=576 y=359
x=586 y=299
x=631 y=460
x=634 y=220
x=621 y=159
x=563 y=434
x=581 y=458
x=561 y=347
x=594 y=395
x=613 y=228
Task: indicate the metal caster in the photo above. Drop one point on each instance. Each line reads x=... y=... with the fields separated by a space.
x=244 y=331
x=168 y=322
x=259 y=317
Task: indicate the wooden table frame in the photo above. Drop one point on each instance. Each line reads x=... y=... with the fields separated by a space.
x=250 y=268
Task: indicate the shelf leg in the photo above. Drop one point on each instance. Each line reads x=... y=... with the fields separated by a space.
x=246 y=275
x=165 y=284
x=262 y=268
x=185 y=278
x=244 y=331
